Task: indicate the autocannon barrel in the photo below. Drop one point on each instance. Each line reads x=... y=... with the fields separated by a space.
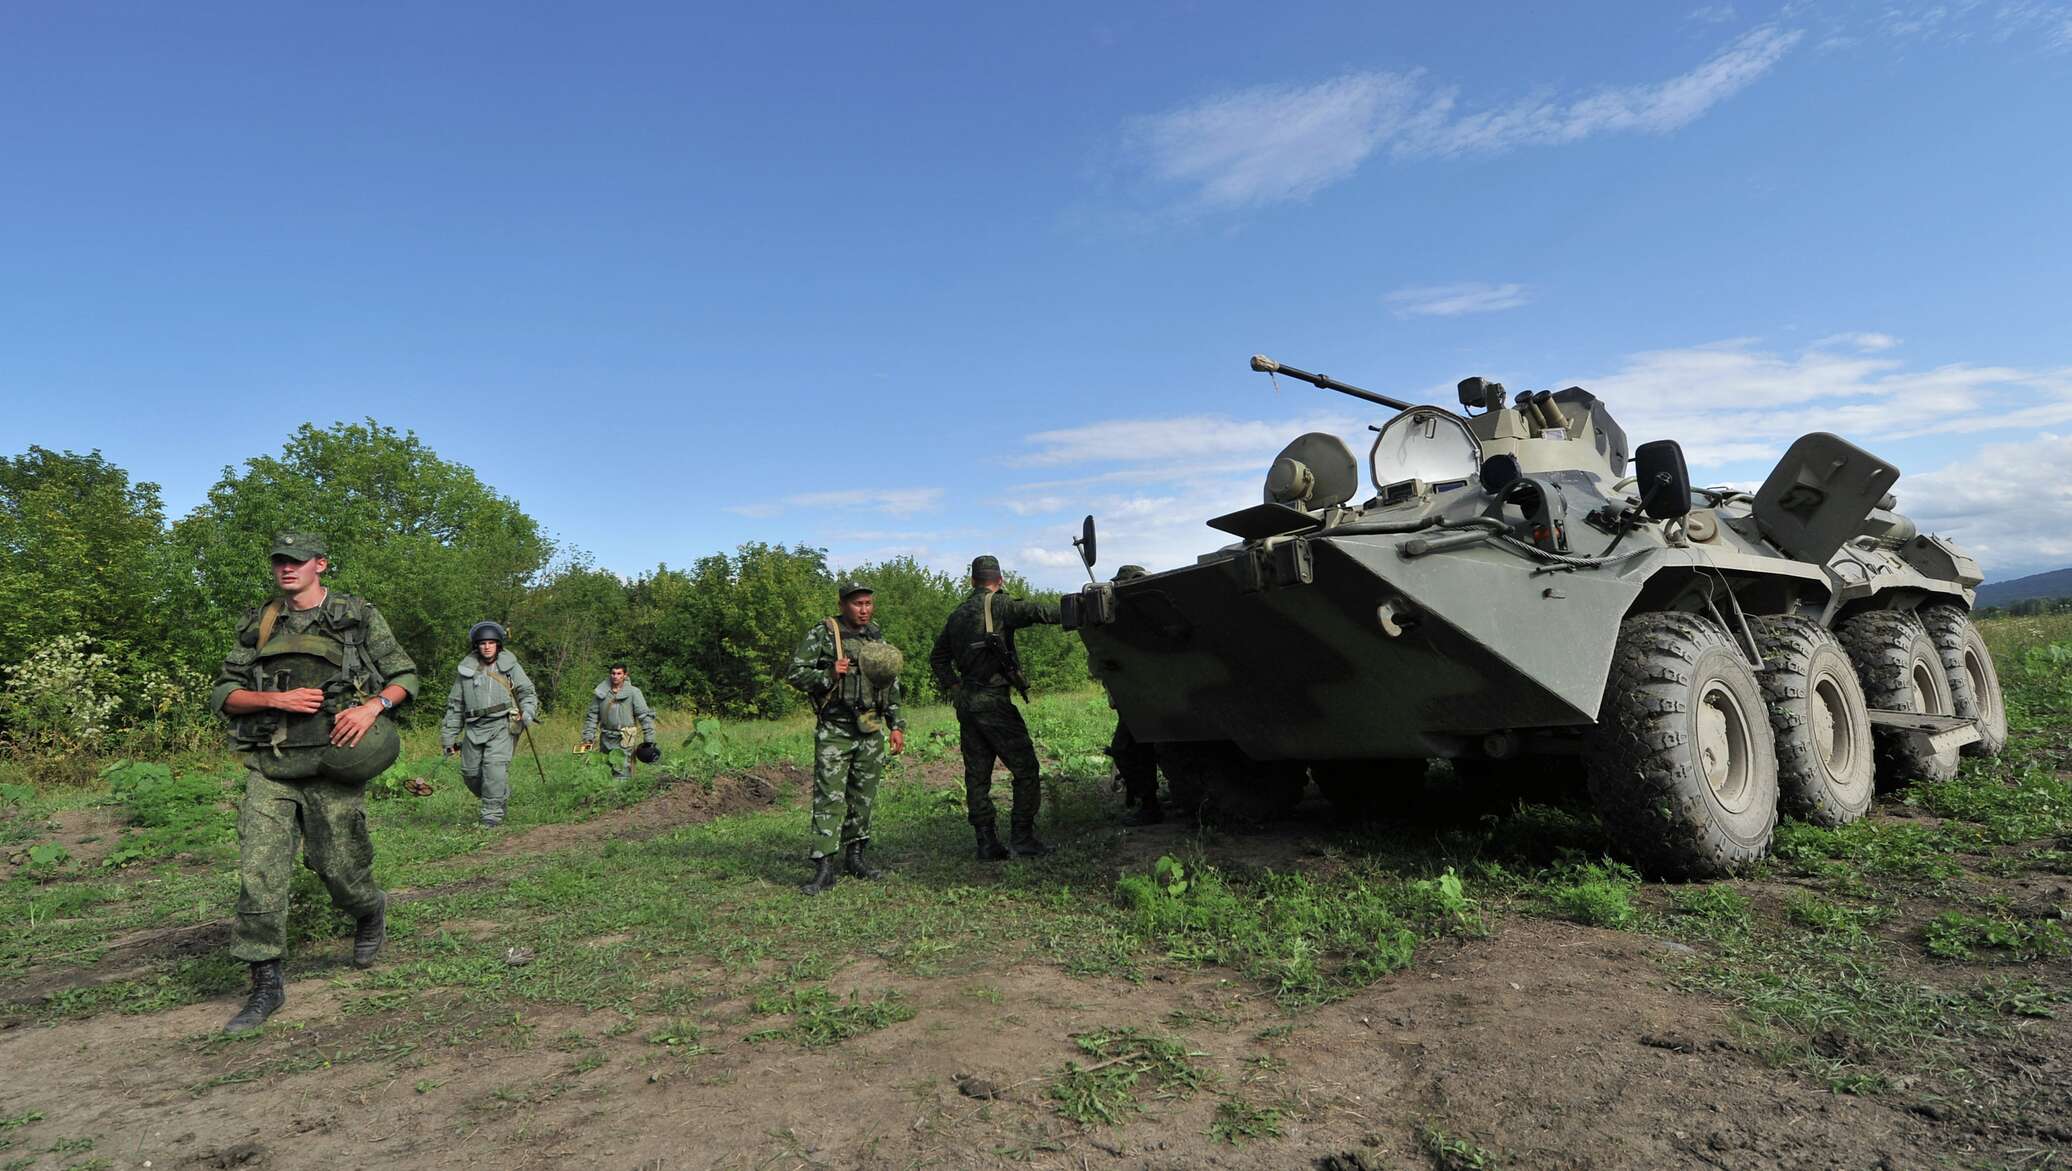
x=1266 y=365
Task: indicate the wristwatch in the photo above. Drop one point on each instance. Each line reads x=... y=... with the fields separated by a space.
x=387 y=704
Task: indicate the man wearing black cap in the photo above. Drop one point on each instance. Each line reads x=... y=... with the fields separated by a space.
x=845 y=666
x=975 y=664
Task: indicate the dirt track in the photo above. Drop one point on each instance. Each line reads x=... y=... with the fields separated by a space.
x=1548 y=1044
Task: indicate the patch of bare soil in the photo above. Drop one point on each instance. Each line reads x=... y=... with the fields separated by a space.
x=1548 y=1045
x=86 y=834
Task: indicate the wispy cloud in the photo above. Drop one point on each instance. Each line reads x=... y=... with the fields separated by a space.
x=1269 y=144
x=1868 y=342
x=1711 y=14
x=1170 y=440
x=2012 y=524
x=891 y=501
x=1456 y=299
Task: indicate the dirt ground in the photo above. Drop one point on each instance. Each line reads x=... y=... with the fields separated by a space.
x=1546 y=1044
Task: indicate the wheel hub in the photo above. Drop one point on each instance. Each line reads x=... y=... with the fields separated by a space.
x=1723 y=745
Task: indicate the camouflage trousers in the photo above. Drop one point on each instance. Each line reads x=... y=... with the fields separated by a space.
x=848 y=763
x=327 y=822
x=486 y=770
x=990 y=728
x=1137 y=763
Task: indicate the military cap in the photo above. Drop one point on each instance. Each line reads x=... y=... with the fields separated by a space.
x=985 y=565
x=300 y=545
x=1129 y=571
x=854 y=586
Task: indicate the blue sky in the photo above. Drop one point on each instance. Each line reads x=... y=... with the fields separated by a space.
x=939 y=279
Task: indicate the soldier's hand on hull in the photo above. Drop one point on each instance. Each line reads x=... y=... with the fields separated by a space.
x=302 y=701
x=352 y=723
x=898 y=741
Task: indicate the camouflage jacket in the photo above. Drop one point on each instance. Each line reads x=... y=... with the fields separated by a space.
x=961 y=656
x=812 y=671
x=482 y=706
x=617 y=711
x=374 y=658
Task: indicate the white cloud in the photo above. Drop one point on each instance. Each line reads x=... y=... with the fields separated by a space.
x=1273 y=143
x=1191 y=437
x=1870 y=342
x=1455 y=299
x=1711 y=14
x=891 y=501
x=2013 y=523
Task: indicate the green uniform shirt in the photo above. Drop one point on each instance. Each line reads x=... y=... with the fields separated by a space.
x=385 y=663
x=961 y=656
x=812 y=670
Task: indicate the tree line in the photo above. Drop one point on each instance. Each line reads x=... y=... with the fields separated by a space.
x=112 y=618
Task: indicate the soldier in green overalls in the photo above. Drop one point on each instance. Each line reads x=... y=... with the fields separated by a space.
x=845 y=666
x=975 y=663
x=615 y=707
x=492 y=699
x=307 y=688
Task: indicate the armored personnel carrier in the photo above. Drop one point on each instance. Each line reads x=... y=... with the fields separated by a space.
x=1519 y=590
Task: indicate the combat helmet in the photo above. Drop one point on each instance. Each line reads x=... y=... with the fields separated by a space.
x=486 y=629
x=880 y=661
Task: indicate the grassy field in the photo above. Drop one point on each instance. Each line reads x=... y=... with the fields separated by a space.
x=1899 y=959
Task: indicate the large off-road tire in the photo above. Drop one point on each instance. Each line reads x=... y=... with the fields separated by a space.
x=1901 y=671
x=1974 y=684
x=1363 y=790
x=1682 y=765
x=1234 y=789
x=1827 y=769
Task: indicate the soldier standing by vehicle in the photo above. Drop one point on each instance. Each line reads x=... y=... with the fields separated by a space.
x=491 y=701
x=974 y=662
x=305 y=688
x=1135 y=762
x=852 y=675
x=615 y=707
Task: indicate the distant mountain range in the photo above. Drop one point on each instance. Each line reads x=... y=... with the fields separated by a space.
x=2055 y=584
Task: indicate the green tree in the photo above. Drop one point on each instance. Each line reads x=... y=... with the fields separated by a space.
x=82 y=551
x=422 y=537
x=565 y=628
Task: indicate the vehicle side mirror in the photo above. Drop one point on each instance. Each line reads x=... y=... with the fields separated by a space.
x=1085 y=543
x=1662 y=480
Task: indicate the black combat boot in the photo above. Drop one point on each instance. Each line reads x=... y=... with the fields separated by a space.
x=369 y=933
x=989 y=847
x=852 y=861
x=823 y=875
x=1025 y=842
x=1147 y=813
x=266 y=999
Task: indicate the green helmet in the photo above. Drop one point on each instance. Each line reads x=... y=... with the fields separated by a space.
x=880 y=661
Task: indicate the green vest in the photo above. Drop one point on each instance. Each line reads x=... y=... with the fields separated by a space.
x=328 y=653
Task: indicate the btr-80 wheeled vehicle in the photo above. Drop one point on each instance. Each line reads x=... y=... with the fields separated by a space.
x=1521 y=586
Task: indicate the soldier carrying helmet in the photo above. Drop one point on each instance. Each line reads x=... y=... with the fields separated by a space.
x=845 y=666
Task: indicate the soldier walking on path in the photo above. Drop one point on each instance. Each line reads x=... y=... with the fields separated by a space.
x=974 y=662
x=491 y=701
x=615 y=707
x=306 y=687
x=1135 y=761
x=845 y=666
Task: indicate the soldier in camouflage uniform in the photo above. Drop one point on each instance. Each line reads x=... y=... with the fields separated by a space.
x=974 y=663
x=849 y=739
x=306 y=688
x=615 y=707
x=492 y=699
x=1135 y=761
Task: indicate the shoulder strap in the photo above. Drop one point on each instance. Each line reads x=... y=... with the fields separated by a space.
x=986 y=604
x=835 y=628
x=267 y=617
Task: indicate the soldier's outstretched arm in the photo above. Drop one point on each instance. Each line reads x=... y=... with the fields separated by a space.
x=1020 y=612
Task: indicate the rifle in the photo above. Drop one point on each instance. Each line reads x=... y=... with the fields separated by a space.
x=1003 y=651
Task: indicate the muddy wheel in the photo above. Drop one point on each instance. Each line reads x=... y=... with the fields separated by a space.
x=1826 y=770
x=1682 y=765
x=1901 y=670
x=1363 y=790
x=1228 y=786
x=1974 y=684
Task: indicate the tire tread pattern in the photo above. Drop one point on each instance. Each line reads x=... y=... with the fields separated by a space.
x=1789 y=644
x=1881 y=643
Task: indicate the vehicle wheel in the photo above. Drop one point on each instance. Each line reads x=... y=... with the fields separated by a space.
x=1974 y=684
x=1233 y=788
x=1363 y=790
x=1901 y=671
x=1682 y=766
x=1826 y=768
